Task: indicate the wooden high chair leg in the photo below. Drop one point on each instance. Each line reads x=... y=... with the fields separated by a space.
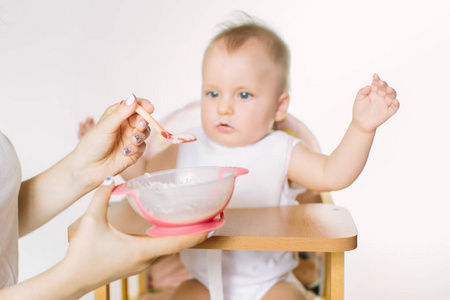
x=334 y=283
x=125 y=289
x=102 y=293
x=142 y=283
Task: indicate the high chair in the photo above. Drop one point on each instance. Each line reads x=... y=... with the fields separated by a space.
x=316 y=225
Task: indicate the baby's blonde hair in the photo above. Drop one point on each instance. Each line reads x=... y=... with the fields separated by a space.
x=234 y=35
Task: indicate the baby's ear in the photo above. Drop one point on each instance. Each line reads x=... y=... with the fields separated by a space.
x=283 y=103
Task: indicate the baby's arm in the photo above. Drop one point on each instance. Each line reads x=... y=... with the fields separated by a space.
x=374 y=104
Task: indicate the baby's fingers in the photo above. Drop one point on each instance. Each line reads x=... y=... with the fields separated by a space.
x=393 y=108
x=391 y=93
x=390 y=97
x=375 y=77
x=379 y=86
x=375 y=80
x=363 y=93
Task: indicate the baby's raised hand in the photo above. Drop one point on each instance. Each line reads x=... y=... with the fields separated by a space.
x=374 y=104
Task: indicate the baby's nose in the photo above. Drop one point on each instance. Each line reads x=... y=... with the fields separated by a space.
x=225 y=107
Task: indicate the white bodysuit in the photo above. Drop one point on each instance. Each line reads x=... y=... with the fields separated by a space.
x=10 y=179
x=246 y=274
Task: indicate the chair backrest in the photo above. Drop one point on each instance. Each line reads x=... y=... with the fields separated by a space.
x=298 y=129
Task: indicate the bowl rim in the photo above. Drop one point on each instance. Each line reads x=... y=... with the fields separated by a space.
x=179 y=170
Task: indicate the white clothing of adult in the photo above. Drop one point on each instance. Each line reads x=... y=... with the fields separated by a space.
x=246 y=274
x=10 y=179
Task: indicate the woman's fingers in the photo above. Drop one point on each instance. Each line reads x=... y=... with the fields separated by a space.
x=99 y=203
x=161 y=246
x=117 y=114
x=133 y=150
x=138 y=137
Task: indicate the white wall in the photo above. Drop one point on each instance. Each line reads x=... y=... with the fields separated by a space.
x=61 y=61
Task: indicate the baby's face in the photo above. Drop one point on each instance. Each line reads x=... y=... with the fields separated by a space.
x=240 y=94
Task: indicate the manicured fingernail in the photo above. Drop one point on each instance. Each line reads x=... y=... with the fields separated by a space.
x=210 y=234
x=143 y=124
x=137 y=138
x=108 y=180
x=130 y=100
x=126 y=150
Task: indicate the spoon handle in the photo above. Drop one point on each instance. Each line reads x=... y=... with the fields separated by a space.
x=150 y=119
x=174 y=139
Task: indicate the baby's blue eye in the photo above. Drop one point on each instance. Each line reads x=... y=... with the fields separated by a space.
x=213 y=94
x=244 y=95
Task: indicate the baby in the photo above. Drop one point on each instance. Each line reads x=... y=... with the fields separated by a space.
x=245 y=91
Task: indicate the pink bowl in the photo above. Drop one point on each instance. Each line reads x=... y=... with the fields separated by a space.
x=182 y=201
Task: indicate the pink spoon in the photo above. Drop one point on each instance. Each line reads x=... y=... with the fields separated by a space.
x=184 y=137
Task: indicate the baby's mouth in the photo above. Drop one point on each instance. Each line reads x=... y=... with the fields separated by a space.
x=224 y=126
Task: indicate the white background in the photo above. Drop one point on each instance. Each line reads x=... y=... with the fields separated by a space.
x=61 y=61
